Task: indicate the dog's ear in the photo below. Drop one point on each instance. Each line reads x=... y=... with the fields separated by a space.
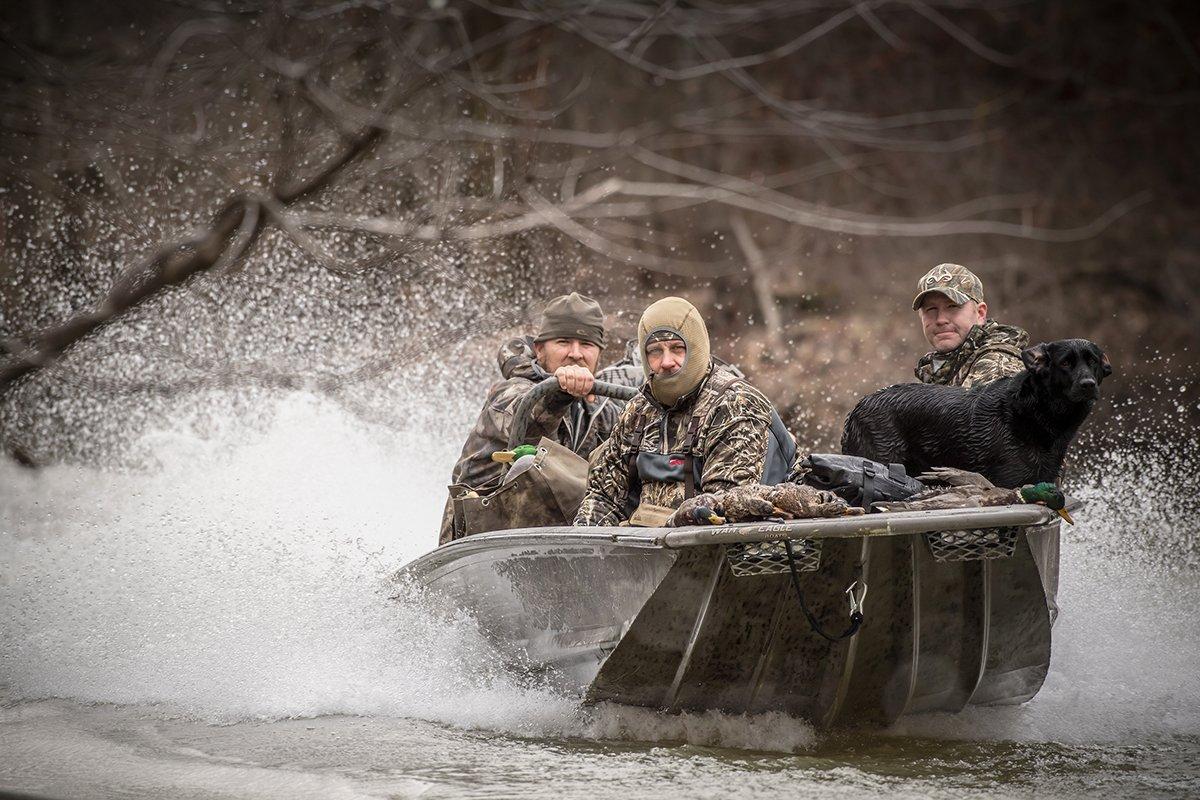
x=1035 y=358
x=1102 y=357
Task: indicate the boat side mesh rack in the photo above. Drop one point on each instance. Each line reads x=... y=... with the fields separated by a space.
x=747 y=559
x=980 y=544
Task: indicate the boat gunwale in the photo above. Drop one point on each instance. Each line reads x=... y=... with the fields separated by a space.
x=895 y=523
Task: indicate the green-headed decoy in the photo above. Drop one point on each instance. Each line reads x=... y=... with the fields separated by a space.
x=509 y=456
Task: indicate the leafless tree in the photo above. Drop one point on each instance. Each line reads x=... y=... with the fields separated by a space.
x=365 y=130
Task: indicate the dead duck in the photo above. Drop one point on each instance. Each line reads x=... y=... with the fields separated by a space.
x=956 y=488
x=739 y=504
x=699 y=510
x=800 y=501
x=950 y=476
x=749 y=502
x=757 y=502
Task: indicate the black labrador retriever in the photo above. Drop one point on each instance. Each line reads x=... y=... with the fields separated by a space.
x=1013 y=431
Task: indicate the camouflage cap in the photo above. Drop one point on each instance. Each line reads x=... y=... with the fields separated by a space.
x=955 y=281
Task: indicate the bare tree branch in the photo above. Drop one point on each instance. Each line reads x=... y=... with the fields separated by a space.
x=761 y=282
x=170 y=265
x=175 y=263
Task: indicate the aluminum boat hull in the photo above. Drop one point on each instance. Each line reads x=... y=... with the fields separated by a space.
x=657 y=618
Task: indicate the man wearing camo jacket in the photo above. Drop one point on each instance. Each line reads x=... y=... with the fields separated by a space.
x=969 y=348
x=696 y=426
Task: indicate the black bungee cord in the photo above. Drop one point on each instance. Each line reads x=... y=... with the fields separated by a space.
x=856 y=616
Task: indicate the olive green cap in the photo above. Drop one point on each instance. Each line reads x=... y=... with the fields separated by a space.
x=572 y=316
x=954 y=281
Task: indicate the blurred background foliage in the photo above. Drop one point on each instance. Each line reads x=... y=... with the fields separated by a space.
x=362 y=198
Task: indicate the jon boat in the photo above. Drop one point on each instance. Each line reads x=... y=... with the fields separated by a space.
x=957 y=610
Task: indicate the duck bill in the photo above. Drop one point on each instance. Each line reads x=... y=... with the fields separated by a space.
x=1062 y=512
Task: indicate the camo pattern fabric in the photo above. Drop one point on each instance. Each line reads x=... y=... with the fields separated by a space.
x=625 y=372
x=990 y=351
x=731 y=442
x=953 y=280
x=576 y=424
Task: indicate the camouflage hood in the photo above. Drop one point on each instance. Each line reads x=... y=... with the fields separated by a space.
x=675 y=318
x=992 y=339
x=516 y=359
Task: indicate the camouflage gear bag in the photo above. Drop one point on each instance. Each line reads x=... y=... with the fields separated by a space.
x=547 y=493
x=989 y=351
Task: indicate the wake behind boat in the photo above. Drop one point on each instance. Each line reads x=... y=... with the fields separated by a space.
x=955 y=610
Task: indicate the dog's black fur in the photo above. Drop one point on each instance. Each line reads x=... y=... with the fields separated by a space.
x=1013 y=431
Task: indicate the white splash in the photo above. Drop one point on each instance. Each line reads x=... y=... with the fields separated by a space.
x=247 y=575
x=246 y=581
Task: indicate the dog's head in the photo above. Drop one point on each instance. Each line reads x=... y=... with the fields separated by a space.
x=1072 y=368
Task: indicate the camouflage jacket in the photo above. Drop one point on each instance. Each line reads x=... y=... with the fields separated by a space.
x=731 y=443
x=990 y=351
x=576 y=424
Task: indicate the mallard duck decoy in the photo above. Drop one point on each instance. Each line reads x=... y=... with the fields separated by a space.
x=509 y=456
x=973 y=495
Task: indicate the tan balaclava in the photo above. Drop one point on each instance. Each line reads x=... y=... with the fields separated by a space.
x=675 y=318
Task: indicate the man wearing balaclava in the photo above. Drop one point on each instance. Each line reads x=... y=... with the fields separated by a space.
x=567 y=347
x=696 y=426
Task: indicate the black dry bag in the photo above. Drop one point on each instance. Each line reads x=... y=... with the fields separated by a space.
x=859 y=481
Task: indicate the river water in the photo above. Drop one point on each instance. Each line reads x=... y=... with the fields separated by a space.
x=220 y=622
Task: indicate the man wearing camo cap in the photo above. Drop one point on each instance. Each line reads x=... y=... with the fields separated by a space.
x=969 y=349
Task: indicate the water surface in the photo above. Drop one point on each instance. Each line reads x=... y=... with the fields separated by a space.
x=221 y=623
